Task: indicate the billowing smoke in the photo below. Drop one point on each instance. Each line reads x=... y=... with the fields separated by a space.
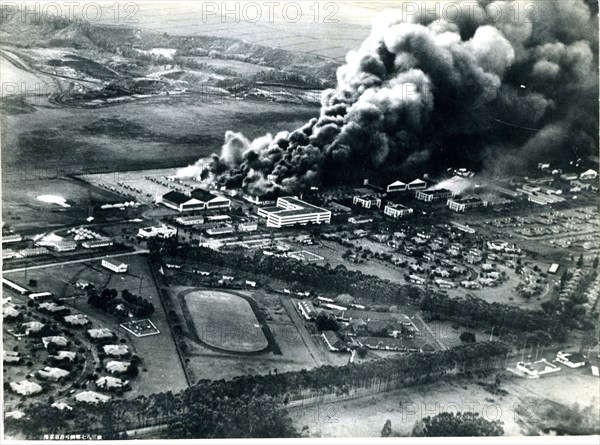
x=498 y=86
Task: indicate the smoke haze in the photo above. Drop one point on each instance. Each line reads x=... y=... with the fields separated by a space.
x=497 y=88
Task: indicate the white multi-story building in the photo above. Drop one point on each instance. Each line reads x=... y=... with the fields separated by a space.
x=430 y=195
x=367 y=201
x=460 y=205
x=397 y=210
x=291 y=211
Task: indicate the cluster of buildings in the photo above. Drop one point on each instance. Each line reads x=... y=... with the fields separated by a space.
x=542 y=367
x=400 y=186
x=362 y=328
x=368 y=201
x=198 y=199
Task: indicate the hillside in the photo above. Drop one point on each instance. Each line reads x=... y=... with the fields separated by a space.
x=186 y=52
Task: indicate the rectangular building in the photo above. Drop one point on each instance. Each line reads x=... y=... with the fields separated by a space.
x=221 y=230
x=182 y=203
x=333 y=342
x=162 y=231
x=248 y=226
x=211 y=200
x=291 y=211
x=417 y=184
x=190 y=220
x=397 y=210
x=307 y=309
x=95 y=244
x=460 y=205
x=13 y=238
x=397 y=186
x=367 y=201
x=431 y=195
x=115 y=266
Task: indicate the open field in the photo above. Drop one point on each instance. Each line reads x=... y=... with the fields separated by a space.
x=225 y=321
x=205 y=363
x=23 y=211
x=519 y=409
x=161 y=369
x=158 y=132
x=146 y=184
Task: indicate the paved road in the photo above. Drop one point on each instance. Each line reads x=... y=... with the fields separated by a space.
x=299 y=324
x=81 y=260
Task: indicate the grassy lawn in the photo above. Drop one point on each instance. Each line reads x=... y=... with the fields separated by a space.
x=522 y=410
x=225 y=321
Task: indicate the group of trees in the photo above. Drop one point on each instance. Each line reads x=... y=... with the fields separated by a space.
x=498 y=315
x=325 y=322
x=465 y=424
x=531 y=326
x=109 y=302
x=253 y=405
x=337 y=280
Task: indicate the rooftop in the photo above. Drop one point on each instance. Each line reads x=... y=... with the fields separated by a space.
x=203 y=195
x=176 y=197
x=393 y=205
x=298 y=207
x=437 y=192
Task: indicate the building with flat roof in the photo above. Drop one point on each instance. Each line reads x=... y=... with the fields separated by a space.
x=12 y=238
x=220 y=230
x=115 y=266
x=460 y=205
x=396 y=210
x=250 y=226
x=367 y=201
x=161 y=231
x=96 y=244
x=431 y=195
x=190 y=220
x=291 y=211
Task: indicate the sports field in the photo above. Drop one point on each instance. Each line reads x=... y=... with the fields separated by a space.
x=225 y=321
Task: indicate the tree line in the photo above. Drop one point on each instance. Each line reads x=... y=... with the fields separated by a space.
x=251 y=405
x=494 y=315
x=539 y=327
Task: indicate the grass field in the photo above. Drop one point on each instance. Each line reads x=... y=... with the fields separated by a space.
x=23 y=211
x=520 y=410
x=225 y=321
x=164 y=131
x=207 y=363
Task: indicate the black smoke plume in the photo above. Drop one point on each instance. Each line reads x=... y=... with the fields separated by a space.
x=497 y=88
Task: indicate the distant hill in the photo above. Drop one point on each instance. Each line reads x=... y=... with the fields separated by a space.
x=51 y=32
